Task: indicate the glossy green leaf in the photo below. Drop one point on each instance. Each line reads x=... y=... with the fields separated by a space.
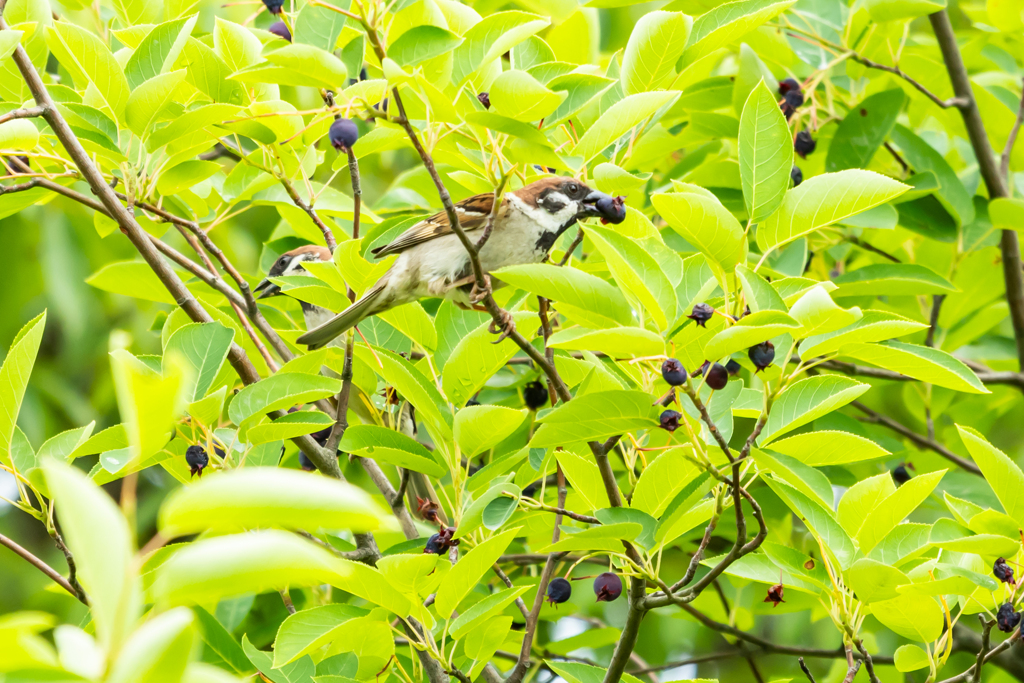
x=619 y=119
x=727 y=22
x=585 y=297
x=307 y=631
x=158 y=51
x=920 y=362
x=915 y=617
x=486 y=608
x=585 y=477
x=863 y=130
x=637 y=272
x=421 y=43
x=392 y=447
x=14 y=375
x=923 y=157
x=872 y=326
x=655 y=45
x=480 y=428
x=749 y=331
x=520 y=96
x=765 y=154
x=280 y=391
x=894 y=509
x=616 y=342
x=490 y=38
x=910 y=658
x=204 y=346
x=469 y=569
x=828 y=448
x=806 y=401
x=821 y=521
x=706 y=224
x=1002 y=473
x=158 y=650
x=90 y=62
x=596 y=416
x=149 y=402
x=477 y=357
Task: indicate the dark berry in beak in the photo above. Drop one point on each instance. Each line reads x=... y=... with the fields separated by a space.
x=197 y=460
x=775 y=594
x=607 y=587
x=434 y=546
x=701 y=314
x=796 y=175
x=559 y=591
x=485 y=99
x=613 y=209
x=1003 y=571
x=1006 y=618
x=673 y=372
x=280 y=29
x=788 y=84
x=716 y=375
x=762 y=355
x=343 y=134
x=900 y=475
x=535 y=394
x=804 y=144
x=732 y=367
x=670 y=420
x=273 y=6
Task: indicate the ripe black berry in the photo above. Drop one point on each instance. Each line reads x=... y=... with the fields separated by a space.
x=1003 y=571
x=280 y=29
x=900 y=475
x=607 y=587
x=804 y=144
x=794 y=98
x=559 y=591
x=343 y=134
x=485 y=99
x=788 y=84
x=761 y=355
x=796 y=175
x=670 y=420
x=197 y=460
x=701 y=313
x=715 y=375
x=441 y=541
x=535 y=394
x=1006 y=618
x=673 y=372
x=613 y=209
x=274 y=6
x=775 y=594
x=434 y=545
x=732 y=367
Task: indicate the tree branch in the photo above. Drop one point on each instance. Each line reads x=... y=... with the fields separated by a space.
x=27 y=113
x=44 y=568
x=298 y=201
x=1004 y=161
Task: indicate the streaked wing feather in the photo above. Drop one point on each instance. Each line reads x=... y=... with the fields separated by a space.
x=472 y=212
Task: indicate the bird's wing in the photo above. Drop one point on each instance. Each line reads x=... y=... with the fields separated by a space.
x=472 y=212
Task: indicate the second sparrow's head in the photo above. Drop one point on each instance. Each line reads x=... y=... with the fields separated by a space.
x=559 y=196
x=290 y=263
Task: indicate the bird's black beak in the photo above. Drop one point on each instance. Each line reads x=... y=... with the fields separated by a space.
x=267 y=289
x=600 y=205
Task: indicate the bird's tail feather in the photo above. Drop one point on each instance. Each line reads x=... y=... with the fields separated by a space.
x=350 y=317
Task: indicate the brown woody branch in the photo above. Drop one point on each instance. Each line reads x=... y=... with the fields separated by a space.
x=45 y=568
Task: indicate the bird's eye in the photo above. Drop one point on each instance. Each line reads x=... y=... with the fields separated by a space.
x=573 y=188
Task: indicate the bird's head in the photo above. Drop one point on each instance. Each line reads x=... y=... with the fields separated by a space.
x=569 y=197
x=290 y=263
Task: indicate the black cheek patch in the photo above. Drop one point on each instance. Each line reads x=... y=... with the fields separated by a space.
x=546 y=241
x=552 y=203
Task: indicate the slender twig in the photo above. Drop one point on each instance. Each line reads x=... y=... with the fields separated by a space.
x=986 y=632
x=27 y=113
x=869 y=247
x=44 y=568
x=311 y=212
x=341 y=419
x=807 y=672
x=933 y=320
x=508 y=583
x=1004 y=161
x=572 y=247
x=287 y=600
x=985 y=376
x=869 y=663
x=357 y=191
x=586 y=519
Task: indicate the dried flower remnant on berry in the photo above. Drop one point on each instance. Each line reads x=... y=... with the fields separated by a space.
x=427 y=509
x=670 y=420
x=775 y=594
x=197 y=460
x=1007 y=619
x=701 y=314
x=485 y=99
x=1003 y=571
x=559 y=590
x=673 y=372
x=762 y=355
x=607 y=587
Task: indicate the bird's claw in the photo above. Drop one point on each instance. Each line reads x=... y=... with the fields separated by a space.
x=476 y=295
x=508 y=326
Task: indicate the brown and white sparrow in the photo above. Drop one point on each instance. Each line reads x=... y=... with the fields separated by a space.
x=432 y=262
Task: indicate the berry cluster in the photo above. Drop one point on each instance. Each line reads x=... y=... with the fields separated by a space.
x=607 y=588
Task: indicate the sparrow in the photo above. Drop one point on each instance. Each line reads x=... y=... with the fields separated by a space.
x=290 y=263
x=432 y=261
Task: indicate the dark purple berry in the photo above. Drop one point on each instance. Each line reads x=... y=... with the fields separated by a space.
x=441 y=541
x=273 y=6
x=804 y=144
x=535 y=395
x=761 y=355
x=716 y=376
x=559 y=591
x=788 y=84
x=701 y=314
x=1003 y=571
x=305 y=463
x=796 y=175
x=794 y=98
x=607 y=587
x=670 y=420
x=673 y=372
x=900 y=475
x=343 y=134
x=732 y=367
x=434 y=546
x=787 y=109
x=613 y=209
x=280 y=29
x=485 y=99
x=197 y=460
x=1006 y=618
x=775 y=594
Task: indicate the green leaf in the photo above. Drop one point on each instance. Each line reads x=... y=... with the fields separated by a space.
x=307 y=631
x=819 y=449
x=414 y=575
x=874 y=581
x=509 y=126
x=14 y=374
x=370 y=584
x=820 y=520
x=421 y=43
x=987 y=545
x=410 y=384
x=758 y=293
x=637 y=272
x=481 y=428
x=765 y=154
x=920 y=362
x=617 y=342
x=923 y=157
x=910 y=658
x=705 y=224
x=807 y=480
x=158 y=650
x=655 y=45
x=896 y=279
x=861 y=499
x=604 y=537
x=190 y=121
x=490 y=38
x=288 y=426
x=894 y=509
x=149 y=403
x=806 y=401
x=727 y=22
x=297 y=672
x=911 y=616
x=585 y=478
x=392 y=447
x=749 y=331
x=662 y=479
x=470 y=568
x=903 y=543
x=158 y=51
x=255 y=562
x=477 y=358
x=818 y=314
x=204 y=346
x=619 y=119
x=280 y=391
x=209 y=74
x=131 y=12
x=97 y=534
x=863 y=130
x=131 y=278
x=488 y=607
x=1001 y=473
x=823 y=200
x=183 y=176
x=580 y=295
x=596 y=416
x=259 y=497
x=90 y=62
x=19 y=134
x=520 y=96
x=297 y=64
x=321 y=27
x=218 y=639
x=873 y=326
